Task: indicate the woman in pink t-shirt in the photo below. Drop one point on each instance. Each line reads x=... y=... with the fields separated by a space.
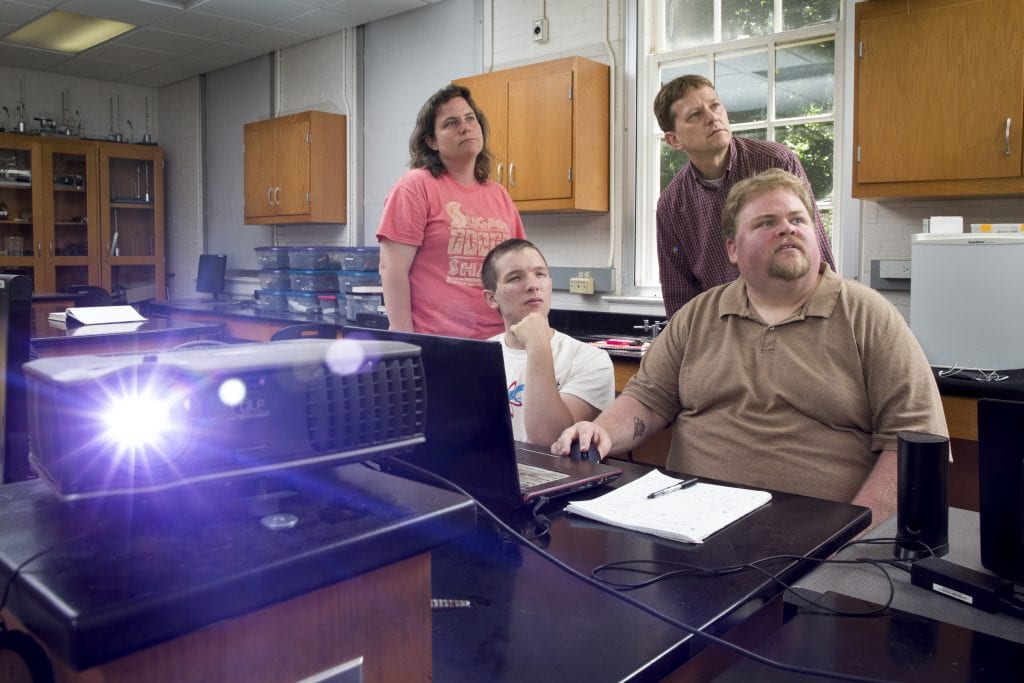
x=440 y=220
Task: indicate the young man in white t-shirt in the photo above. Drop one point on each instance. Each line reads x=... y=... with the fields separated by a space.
x=553 y=380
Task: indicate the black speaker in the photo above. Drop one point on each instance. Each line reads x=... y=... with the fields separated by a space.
x=922 y=507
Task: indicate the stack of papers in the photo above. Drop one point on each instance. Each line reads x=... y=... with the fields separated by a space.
x=689 y=514
x=97 y=315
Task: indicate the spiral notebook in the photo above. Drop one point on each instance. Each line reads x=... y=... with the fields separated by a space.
x=689 y=514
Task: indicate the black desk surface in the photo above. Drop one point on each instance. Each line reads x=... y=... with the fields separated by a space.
x=49 y=334
x=967 y=382
x=896 y=646
x=109 y=581
x=868 y=583
x=530 y=621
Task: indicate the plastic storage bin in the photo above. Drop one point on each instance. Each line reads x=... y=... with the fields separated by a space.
x=360 y=258
x=330 y=304
x=272 y=301
x=305 y=302
x=275 y=279
x=362 y=303
x=272 y=257
x=314 y=280
x=315 y=258
x=347 y=279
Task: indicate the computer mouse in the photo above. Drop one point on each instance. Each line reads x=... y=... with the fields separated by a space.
x=591 y=454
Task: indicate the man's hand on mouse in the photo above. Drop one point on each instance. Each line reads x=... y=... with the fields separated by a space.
x=588 y=435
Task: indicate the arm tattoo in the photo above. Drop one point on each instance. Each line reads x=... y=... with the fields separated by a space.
x=638 y=427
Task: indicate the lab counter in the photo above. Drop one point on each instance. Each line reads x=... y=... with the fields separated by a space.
x=226 y=583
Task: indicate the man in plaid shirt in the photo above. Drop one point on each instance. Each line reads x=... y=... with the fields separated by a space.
x=691 y=249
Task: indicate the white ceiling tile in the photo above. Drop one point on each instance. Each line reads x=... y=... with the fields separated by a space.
x=313 y=23
x=266 y=12
x=94 y=68
x=131 y=11
x=227 y=53
x=173 y=43
x=165 y=41
x=30 y=58
x=126 y=54
x=270 y=39
x=205 y=25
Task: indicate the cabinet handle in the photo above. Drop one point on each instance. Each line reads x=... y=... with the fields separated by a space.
x=512 y=174
x=270 y=196
x=277 y=196
x=39 y=249
x=500 y=168
x=51 y=251
x=1006 y=152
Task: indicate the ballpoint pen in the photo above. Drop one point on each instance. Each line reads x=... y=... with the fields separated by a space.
x=678 y=486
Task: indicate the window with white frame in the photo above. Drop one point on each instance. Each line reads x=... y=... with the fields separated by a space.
x=774 y=65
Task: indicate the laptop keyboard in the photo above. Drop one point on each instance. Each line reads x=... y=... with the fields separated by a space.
x=530 y=475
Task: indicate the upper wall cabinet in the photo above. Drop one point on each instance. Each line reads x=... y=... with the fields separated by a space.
x=938 y=98
x=295 y=169
x=549 y=133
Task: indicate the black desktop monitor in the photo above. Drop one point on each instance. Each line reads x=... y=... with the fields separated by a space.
x=15 y=310
x=210 y=279
x=1001 y=487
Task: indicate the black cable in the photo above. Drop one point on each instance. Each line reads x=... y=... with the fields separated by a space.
x=792 y=668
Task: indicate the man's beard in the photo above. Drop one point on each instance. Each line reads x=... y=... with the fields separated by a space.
x=789 y=269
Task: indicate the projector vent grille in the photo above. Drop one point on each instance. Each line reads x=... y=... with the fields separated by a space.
x=385 y=401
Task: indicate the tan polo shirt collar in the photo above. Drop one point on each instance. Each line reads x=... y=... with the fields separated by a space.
x=734 y=299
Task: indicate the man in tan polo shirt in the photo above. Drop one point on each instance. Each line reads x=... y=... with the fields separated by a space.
x=789 y=378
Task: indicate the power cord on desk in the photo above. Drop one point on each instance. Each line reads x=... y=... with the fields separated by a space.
x=793 y=668
x=20 y=645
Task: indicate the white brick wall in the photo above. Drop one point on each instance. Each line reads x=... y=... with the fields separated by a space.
x=575 y=27
x=886 y=229
x=91 y=98
x=183 y=180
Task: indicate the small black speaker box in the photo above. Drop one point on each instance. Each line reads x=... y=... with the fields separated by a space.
x=922 y=507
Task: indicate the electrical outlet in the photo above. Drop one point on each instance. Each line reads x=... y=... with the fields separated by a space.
x=898 y=270
x=584 y=284
x=540 y=30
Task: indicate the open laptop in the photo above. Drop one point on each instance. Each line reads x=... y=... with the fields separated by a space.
x=469 y=431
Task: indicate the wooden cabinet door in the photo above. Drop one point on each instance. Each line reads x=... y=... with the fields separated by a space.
x=22 y=214
x=259 y=169
x=540 y=137
x=131 y=208
x=549 y=132
x=71 y=240
x=490 y=93
x=291 y=177
x=938 y=88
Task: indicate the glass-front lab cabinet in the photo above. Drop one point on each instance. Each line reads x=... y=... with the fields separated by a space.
x=20 y=242
x=70 y=249
x=77 y=212
x=132 y=230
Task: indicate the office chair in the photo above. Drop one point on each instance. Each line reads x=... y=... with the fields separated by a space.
x=94 y=296
x=306 y=331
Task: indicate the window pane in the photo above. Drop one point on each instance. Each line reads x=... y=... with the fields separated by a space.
x=744 y=18
x=814 y=144
x=741 y=80
x=689 y=23
x=799 y=13
x=805 y=79
x=826 y=219
x=755 y=133
x=697 y=66
x=671 y=161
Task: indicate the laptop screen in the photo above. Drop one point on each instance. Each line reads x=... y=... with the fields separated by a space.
x=468 y=430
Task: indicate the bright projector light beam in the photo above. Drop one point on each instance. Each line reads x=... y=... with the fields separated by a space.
x=136 y=422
